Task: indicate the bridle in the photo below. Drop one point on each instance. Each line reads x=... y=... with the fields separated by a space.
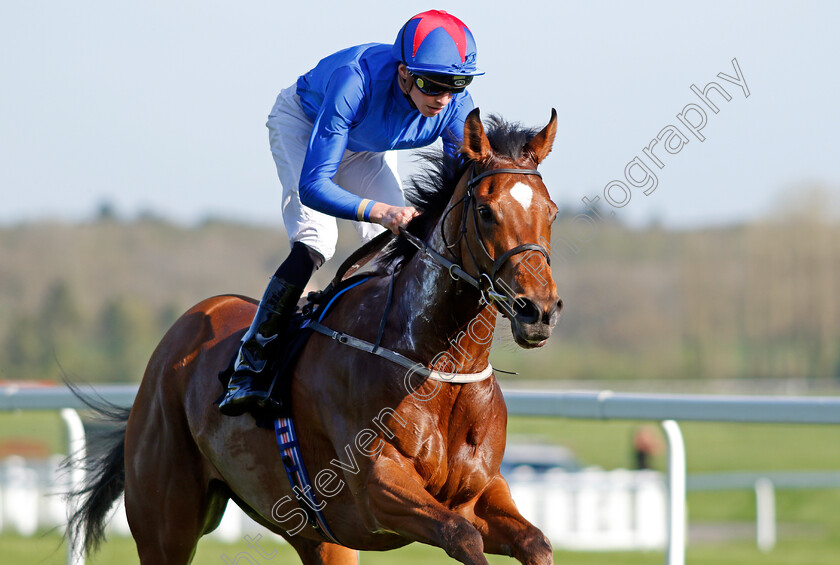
x=485 y=282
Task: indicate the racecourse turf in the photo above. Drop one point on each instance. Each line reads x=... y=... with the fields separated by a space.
x=120 y=551
x=809 y=523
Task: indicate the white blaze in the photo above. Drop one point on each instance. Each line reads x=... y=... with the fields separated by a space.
x=522 y=193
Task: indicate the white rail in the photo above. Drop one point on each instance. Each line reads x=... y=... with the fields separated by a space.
x=602 y=405
x=608 y=405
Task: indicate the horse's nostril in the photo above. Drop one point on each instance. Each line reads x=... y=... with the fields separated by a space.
x=527 y=312
x=554 y=311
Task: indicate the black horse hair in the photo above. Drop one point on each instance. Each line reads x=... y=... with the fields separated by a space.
x=104 y=466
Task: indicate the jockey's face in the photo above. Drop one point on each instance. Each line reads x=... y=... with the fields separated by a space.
x=428 y=105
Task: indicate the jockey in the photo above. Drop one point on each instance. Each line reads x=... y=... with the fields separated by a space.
x=330 y=136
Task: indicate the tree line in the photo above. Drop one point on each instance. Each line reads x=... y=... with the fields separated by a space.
x=752 y=300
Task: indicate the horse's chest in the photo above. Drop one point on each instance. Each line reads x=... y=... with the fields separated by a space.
x=455 y=466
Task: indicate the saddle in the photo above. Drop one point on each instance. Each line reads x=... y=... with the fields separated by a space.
x=313 y=307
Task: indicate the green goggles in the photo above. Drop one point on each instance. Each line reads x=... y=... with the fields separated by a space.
x=433 y=85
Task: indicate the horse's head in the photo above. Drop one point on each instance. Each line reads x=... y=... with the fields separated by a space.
x=504 y=229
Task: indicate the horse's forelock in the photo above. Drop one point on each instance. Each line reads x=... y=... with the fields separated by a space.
x=508 y=139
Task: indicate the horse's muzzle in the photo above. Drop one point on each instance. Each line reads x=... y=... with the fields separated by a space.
x=531 y=324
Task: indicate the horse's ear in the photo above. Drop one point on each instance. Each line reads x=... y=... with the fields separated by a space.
x=476 y=146
x=540 y=146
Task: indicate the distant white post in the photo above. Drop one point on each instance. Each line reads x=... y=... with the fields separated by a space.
x=77 y=449
x=765 y=515
x=675 y=552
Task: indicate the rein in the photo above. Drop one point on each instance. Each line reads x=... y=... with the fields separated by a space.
x=403 y=361
x=392 y=356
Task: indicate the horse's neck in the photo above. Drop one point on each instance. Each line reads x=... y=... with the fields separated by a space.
x=443 y=319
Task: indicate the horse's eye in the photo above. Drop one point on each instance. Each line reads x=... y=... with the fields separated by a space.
x=485 y=213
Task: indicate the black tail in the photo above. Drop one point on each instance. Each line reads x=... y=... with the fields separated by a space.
x=105 y=472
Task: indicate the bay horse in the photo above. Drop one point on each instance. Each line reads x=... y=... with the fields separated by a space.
x=396 y=457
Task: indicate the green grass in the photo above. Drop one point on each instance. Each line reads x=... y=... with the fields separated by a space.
x=808 y=519
x=42 y=551
x=40 y=429
x=45 y=550
x=710 y=447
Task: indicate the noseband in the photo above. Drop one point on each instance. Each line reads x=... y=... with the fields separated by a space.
x=485 y=282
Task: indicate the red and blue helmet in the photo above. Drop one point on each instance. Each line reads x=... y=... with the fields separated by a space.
x=436 y=43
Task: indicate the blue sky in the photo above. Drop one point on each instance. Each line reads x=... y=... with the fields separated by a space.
x=161 y=106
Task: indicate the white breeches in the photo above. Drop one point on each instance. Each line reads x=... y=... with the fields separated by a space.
x=366 y=174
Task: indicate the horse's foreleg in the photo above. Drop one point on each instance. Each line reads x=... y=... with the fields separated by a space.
x=504 y=529
x=400 y=503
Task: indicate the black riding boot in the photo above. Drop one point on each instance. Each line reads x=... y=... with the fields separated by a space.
x=248 y=386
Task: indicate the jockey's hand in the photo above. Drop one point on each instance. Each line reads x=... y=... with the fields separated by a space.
x=392 y=217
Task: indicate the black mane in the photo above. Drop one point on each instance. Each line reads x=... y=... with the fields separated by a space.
x=431 y=190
